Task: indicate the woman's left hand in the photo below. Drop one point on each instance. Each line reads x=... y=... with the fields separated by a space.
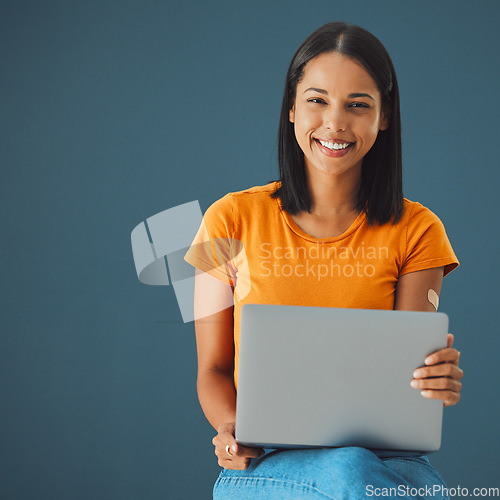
x=439 y=379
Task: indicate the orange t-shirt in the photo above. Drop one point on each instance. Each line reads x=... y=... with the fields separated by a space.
x=254 y=245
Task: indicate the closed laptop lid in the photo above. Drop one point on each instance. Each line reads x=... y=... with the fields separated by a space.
x=318 y=376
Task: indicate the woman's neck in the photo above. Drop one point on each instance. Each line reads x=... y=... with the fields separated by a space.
x=333 y=195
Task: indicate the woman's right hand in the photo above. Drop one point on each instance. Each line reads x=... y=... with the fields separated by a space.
x=232 y=455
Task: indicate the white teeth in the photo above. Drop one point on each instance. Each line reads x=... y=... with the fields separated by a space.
x=333 y=145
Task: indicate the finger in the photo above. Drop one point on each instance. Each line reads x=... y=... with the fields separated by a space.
x=227 y=450
x=226 y=435
x=223 y=438
x=448 y=354
x=225 y=453
x=234 y=464
x=450 y=338
x=439 y=383
x=454 y=399
x=441 y=370
x=248 y=451
x=449 y=398
x=224 y=450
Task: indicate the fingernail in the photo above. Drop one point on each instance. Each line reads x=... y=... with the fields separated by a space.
x=429 y=360
x=414 y=383
x=417 y=373
x=425 y=393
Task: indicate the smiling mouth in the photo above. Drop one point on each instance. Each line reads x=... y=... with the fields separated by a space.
x=335 y=146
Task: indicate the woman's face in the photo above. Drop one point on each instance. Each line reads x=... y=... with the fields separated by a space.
x=337 y=113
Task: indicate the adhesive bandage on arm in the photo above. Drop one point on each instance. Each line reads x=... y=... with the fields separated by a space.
x=433 y=298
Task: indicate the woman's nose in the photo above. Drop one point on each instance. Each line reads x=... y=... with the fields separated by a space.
x=335 y=118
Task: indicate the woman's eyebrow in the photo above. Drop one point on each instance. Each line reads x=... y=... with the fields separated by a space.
x=320 y=91
x=351 y=96
x=360 y=95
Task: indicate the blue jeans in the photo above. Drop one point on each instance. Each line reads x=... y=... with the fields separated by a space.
x=331 y=473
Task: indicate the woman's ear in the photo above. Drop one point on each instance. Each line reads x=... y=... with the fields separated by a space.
x=291 y=114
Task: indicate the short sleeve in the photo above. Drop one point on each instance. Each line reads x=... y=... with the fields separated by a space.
x=213 y=248
x=427 y=244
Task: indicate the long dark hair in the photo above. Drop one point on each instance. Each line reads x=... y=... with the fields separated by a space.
x=380 y=193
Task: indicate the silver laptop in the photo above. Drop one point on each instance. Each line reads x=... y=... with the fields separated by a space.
x=328 y=377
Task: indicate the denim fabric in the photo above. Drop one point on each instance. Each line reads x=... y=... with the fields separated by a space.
x=330 y=473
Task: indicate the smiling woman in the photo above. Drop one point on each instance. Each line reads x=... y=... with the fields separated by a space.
x=340 y=124
x=333 y=231
x=330 y=120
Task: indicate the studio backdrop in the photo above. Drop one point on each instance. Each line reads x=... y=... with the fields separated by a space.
x=114 y=111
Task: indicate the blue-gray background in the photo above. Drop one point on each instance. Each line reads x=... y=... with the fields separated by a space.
x=114 y=111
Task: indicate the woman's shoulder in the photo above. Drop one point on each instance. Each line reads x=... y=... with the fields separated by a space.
x=415 y=212
x=249 y=198
x=264 y=191
x=426 y=240
x=418 y=220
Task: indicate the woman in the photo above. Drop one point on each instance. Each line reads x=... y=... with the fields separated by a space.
x=334 y=231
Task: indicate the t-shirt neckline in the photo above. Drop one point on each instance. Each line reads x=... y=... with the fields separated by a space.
x=302 y=234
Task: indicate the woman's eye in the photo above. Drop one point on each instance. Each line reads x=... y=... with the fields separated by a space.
x=316 y=100
x=359 y=105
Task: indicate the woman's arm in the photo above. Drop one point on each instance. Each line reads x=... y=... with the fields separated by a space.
x=215 y=347
x=440 y=378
